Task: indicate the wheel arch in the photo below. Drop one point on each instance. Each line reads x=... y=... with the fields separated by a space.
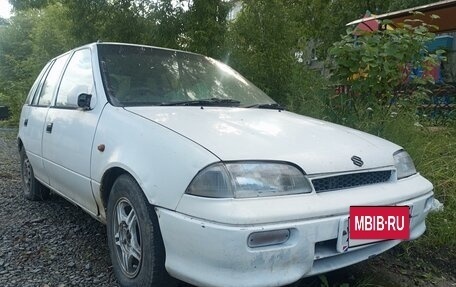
x=107 y=180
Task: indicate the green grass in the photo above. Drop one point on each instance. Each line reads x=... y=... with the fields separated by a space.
x=434 y=152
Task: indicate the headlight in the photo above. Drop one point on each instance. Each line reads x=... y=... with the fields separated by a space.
x=249 y=179
x=404 y=164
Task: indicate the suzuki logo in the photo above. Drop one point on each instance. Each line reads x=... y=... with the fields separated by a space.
x=357 y=161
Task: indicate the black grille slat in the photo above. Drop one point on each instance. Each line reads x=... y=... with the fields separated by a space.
x=350 y=180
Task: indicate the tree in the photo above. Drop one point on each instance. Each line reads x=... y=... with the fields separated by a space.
x=124 y=21
x=169 y=24
x=86 y=18
x=262 y=46
x=33 y=38
x=206 y=27
x=16 y=66
x=22 y=5
x=51 y=34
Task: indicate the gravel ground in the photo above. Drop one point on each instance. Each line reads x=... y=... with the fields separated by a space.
x=54 y=243
x=49 y=243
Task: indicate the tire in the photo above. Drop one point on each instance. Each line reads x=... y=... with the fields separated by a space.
x=32 y=188
x=134 y=238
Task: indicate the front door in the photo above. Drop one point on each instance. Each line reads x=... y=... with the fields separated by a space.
x=68 y=138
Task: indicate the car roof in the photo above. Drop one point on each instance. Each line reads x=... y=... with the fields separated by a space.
x=142 y=45
x=93 y=44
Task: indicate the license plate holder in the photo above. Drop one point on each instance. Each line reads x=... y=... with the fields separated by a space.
x=344 y=243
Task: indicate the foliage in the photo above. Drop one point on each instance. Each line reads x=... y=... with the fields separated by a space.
x=206 y=27
x=261 y=45
x=330 y=17
x=34 y=37
x=310 y=93
x=380 y=70
x=170 y=24
x=22 y=5
x=117 y=20
x=16 y=68
x=266 y=35
x=51 y=34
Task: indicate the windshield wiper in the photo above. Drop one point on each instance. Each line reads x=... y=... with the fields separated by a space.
x=273 y=106
x=205 y=102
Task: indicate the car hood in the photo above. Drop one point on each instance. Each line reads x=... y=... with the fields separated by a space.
x=257 y=134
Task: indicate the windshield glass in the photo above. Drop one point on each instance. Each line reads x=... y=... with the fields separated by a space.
x=147 y=76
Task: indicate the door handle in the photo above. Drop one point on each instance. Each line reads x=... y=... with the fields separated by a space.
x=25 y=122
x=49 y=127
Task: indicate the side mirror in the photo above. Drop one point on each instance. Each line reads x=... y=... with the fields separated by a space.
x=84 y=101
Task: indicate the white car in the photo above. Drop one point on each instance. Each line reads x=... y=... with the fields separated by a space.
x=200 y=175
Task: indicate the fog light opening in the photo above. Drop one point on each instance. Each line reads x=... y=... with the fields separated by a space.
x=267 y=238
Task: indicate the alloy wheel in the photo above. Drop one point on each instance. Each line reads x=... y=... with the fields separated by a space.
x=127 y=237
x=27 y=175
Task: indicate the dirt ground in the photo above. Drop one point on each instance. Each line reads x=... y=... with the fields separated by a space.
x=54 y=243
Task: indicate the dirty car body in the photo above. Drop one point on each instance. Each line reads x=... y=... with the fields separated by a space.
x=233 y=190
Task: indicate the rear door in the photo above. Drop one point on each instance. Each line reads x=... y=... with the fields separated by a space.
x=67 y=141
x=34 y=115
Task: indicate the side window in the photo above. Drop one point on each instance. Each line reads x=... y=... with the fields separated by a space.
x=36 y=94
x=38 y=82
x=51 y=82
x=77 y=79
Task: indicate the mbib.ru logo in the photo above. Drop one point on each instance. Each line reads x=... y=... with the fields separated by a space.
x=379 y=222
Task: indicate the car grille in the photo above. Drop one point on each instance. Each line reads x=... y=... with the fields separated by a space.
x=350 y=180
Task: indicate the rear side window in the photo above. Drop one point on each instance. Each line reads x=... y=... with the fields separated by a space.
x=36 y=85
x=77 y=79
x=36 y=95
x=51 y=82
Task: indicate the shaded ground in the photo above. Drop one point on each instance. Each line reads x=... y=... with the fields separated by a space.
x=54 y=243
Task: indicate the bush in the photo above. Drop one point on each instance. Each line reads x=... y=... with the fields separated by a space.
x=309 y=94
x=378 y=69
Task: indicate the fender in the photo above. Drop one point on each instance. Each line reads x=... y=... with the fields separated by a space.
x=151 y=153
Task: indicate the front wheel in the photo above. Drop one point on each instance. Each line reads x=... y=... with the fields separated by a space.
x=134 y=238
x=32 y=188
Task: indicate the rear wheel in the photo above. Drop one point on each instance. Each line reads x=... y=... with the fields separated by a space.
x=32 y=188
x=134 y=238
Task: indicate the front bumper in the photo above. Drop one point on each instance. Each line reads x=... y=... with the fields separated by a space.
x=210 y=253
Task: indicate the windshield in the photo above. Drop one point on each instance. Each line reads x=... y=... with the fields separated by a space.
x=147 y=76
